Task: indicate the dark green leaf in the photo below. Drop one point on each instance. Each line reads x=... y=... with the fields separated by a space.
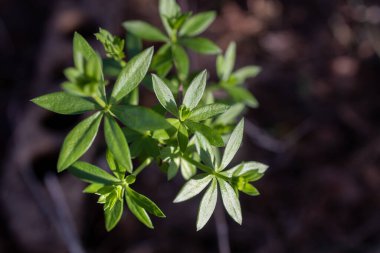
x=132 y=74
x=117 y=143
x=233 y=144
x=197 y=23
x=230 y=200
x=64 y=103
x=144 y=30
x=116 y=168
x=195 y=91
x=193 y=187
x=200 y=45
x=91 y=174
x=207 y=205
x=78 y=141
x=164 y=95
x=182 y=137
x=81 y=50
x=181 y=61
x=140 y=118
x=139 y=212
x=207 y=111
x=145 y=203
x=211 y=135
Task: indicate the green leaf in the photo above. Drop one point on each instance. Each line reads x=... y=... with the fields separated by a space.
x=233 y=144
x=250 y=190
x=181 y=61
x=144 y=31
x=133 y=45
x=193 y=187
x=93 y=188
x=206 y=152
x=140 y=118
x=187 y=169
x=246 y=72
x=169 y=8
x=145 y=203
x=162 y=60
x=230 y=115
x=164 y=95
x=116 y=168
x=182 y=137
x=132 y=74
x=201 y=45
x=197 y=23
x=230 y=200
x=207 y=111
x=173 y=168
x=207 y=205
x=195 y=91
x=117 y=143
x=138 y=212
x=113 y=215
x=240 y=94
x=64 y=103
x=81 y=50
x=211 y=135
x=245 y=168
x=78 y=141
x=91 y=173
x=229 y=60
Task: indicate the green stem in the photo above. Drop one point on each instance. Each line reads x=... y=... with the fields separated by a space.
x=199 y=165
x=99 y=101
x=142 y=166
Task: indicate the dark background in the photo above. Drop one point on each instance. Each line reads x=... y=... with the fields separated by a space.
x=317 y=127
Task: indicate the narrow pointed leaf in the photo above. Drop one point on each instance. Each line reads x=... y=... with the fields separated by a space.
x=200 y=45
x=64 y=103
x=181 y=61
x=78 y=141
x=207 y=205
x=193 y=187
x=233 y=144
x=145 y=203
x=91 y=173
x=164 y=95
x=246 y=72
x=132 y=74
x=207 y=111
x=182 y=137
x=229 y=61
x=211 y=135
x=246 y=167
x=187 y=169
x=140 y=118
x=242 y=95
x=113 y=215
x=138 y=212
x=250 y=190
x=198 y=23
x=115 y=167
x=195 y=91
x=144 y=30
x=230 y=200
x=81 y=49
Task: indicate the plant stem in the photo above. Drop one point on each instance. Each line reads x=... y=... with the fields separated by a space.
x=142 y=166
x=99 y=101
x=199 y=165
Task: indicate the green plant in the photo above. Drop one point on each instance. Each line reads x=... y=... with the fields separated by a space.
x=182 y=132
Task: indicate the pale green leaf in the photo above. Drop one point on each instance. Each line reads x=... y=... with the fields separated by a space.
x=246 y=72
x=230 y=200
x=207 y=205
x=181 y=61
x=193 y=187
x=195 y=91
x=113 y=215
x=233 y=144
x=164 y=95
x=229 y=60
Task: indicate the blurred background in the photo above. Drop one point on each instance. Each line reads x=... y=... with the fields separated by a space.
x=317 y=127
